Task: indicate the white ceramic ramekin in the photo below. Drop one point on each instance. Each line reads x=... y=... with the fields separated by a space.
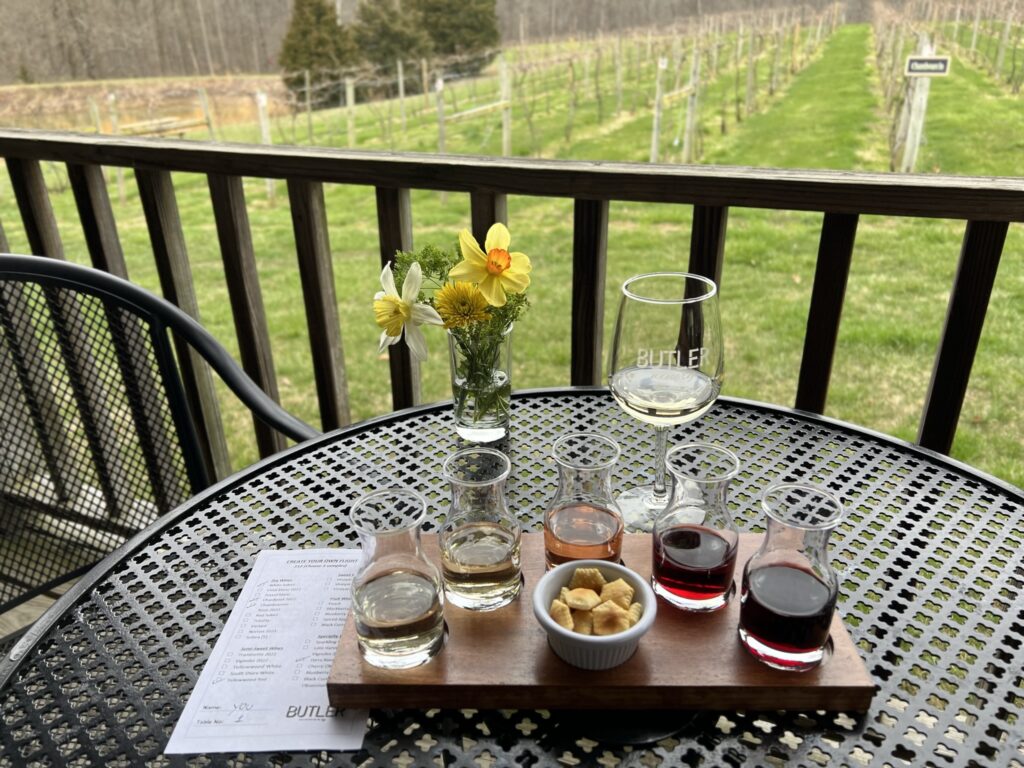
x=592 y=651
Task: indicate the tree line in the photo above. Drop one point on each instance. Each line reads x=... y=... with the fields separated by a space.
x=57 y=40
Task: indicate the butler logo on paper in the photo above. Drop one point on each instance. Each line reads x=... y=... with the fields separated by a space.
x=312 y=711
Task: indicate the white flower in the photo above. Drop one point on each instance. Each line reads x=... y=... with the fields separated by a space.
x=396 y=314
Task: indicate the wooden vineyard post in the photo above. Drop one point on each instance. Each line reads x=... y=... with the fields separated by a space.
x=264 y=121
x=618 y=74
x=114 y=128
x=506 y=111
x=204 y=105
x=597 y=86
x=425 y=81
x=401 y=91
x=773 y=84
x=571 y=115
x=350 y=110
x=750 y=102
x=656 y=127
x=439 y=98
x=690 y=136
x=915 y=108
x=974 y=32
x=308 y=89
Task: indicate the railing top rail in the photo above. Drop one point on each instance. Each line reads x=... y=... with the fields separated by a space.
x=934 y=196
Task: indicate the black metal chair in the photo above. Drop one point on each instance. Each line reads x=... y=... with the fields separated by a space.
x=97 y=437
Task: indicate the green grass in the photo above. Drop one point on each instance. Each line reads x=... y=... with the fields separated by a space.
x=827 y=116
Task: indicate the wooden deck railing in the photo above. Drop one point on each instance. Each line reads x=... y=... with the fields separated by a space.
x=986 y=205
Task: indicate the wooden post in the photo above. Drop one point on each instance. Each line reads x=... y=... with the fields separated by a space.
x=918 y=100
x=309 y=105
x=692 y=104
x=94 y=113
x=570 y=117
x=264 y=120
x=597 y=87
x=350 y=110
x=439 y=98
x=1003 y=40
x=776 y=56
x=204 y=105
x=974 y=33
x=750 y=102
x=618 y=74
x=505 y=85
x=401 y=91
x=425 y=81
x=114 y=128
x=656 y=126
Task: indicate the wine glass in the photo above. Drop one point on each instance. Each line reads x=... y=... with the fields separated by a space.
x=665 y=368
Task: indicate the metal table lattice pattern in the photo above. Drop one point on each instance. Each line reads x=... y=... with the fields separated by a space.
x=931 y=559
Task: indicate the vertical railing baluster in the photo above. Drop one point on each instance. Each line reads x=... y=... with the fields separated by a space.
x=835 y=252
x=394 y=226
x=309 y=221
x=232 y=218
x=99 y=425
x=34 y=206
x=589 y=265
x=965 y=316
x=101 y=238
x=97 y=217
x=486 y=208
x=707 y=241
x=160 y=207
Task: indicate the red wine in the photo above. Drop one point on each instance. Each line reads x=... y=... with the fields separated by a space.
x=692 y=565
x=787 y=609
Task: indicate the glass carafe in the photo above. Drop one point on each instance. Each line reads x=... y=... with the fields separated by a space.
x=583 y=520
x=397 y=602
x=695 y=539
x=480 y=539
x=789 y=588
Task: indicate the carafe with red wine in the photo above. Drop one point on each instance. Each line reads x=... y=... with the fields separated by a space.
x=695 y=539
x=789 y=588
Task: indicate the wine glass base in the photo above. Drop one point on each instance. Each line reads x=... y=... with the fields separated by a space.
x=640 y=507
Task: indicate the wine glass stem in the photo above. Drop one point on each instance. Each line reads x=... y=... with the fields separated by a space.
x=660 y=493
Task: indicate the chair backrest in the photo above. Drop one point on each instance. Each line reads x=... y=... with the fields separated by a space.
x=97 y=435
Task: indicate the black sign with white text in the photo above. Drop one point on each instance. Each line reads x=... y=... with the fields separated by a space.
x=927 y=66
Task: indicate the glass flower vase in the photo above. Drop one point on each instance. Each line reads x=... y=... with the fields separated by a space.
x=481 y=369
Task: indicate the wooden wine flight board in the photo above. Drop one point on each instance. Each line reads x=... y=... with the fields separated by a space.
x=501 y=659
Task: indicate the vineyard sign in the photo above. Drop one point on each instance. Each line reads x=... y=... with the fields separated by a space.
x=927 y=66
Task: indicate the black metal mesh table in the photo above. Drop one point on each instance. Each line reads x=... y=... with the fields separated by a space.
x=931 y=559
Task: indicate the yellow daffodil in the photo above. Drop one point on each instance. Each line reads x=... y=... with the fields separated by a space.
x=495 y=272
x=396 y=313
x=460 y=304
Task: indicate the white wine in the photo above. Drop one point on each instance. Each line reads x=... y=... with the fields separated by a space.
x=399 y=619
x=664 y=395
x=481 y=565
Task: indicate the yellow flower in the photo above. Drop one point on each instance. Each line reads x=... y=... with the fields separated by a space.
x=495 y=271
x=396 y=313
x=460 y=304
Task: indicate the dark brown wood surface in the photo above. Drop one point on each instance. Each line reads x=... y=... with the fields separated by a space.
x=160 y=208
x=835 y=252
x=932 y=195
x=313 y=248
x=965 y=318
x=242 y=280
x=97 y=217
x=687 y=661
x=589 y=260
x=394 y=228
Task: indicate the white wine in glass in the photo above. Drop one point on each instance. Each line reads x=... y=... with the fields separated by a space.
x=665 y=369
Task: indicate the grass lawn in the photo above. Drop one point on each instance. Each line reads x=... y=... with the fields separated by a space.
x=827 y=116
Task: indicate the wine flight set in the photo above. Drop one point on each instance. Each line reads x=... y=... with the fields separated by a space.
x=665 y=369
